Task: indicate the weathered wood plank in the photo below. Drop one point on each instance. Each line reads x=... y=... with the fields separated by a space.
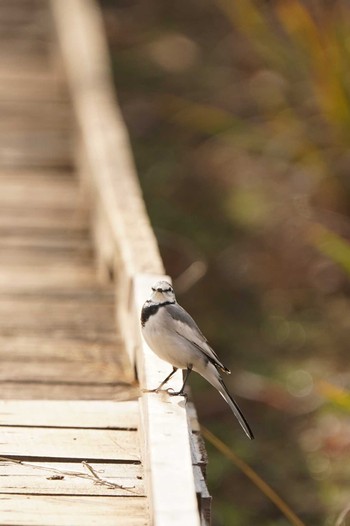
x=44 y=189
x=22 y=279
x=72 y=511
x=43 y=315
x=55 y=347
x=79 y=414
x=34 y=117
x=53 y=372
x=42 y=149
x=43 y=256
x=38 y=478
x=83 y=361
x=77 y=444
x=104 y=136
x=44 y=238
x=41 y=202
x=33 y=219
x=28 y=14
x=18 y=85
x=118 y=390
x=25 y=246
x=15 y=60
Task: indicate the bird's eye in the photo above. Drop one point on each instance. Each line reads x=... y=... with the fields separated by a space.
x=153 y=289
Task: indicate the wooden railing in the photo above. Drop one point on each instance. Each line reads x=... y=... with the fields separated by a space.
x=126 y=249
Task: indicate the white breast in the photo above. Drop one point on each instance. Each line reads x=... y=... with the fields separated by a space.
x=160 y=334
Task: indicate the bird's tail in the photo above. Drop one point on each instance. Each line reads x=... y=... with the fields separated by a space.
x=235 y=409
x=215 y=379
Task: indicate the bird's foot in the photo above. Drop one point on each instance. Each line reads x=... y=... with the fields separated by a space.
x=157 y=390
x=171 y=392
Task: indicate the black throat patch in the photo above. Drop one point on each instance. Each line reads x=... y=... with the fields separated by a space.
x=151 y=309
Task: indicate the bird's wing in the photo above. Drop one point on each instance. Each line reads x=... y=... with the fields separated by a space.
x=187 y=328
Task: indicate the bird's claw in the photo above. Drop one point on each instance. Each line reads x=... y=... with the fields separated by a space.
x=171 y=392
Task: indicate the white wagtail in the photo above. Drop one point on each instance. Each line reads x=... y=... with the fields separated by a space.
x=174 y=336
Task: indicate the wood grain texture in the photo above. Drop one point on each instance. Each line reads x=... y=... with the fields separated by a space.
x=63 y=510
x=70 y=478
x=36 y=121
x=24 y=149
x=58 y=331
x=54 y=348
x=49 y=189
x=34 y=219
x=41 y=277
x=39 y=390
x=16 y=85
x=78 y=414
x=43 y=315
x=103 y=134
x=38 y=116
x=67 y=443
x=48 y=480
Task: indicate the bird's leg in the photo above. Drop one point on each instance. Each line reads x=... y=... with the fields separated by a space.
x=163 y=382
x=181 y=392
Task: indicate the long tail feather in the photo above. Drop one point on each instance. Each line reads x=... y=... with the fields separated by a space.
x=211 y=374
x=235 y=409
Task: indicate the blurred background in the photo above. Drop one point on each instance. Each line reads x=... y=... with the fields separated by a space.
x=239 y=116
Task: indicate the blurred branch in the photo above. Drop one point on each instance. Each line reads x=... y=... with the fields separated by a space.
x=342 y=516
x=190 y=276
x=253 y=476
x=331 y=245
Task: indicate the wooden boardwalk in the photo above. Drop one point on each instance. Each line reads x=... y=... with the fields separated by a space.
x=79 y=442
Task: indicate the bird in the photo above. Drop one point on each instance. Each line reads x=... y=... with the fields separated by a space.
x=173 y=335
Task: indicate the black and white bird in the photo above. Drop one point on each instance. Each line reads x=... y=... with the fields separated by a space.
x=175 y=337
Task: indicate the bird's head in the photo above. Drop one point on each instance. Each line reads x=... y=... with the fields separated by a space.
x=162 y=291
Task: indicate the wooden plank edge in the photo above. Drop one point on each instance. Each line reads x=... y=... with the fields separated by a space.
x=92 y=414
x=199 y=462
x=63 y=510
